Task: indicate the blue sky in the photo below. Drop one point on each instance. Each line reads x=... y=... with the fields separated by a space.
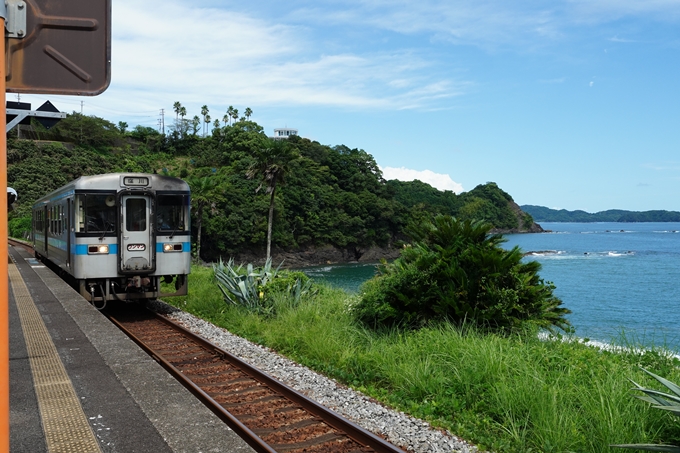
x=568 y=104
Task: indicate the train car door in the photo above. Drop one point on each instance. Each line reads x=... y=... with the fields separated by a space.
x=46 y=229
x=69 y=210
x=136 y=251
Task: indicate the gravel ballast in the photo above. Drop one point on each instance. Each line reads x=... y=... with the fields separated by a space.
x=407 y=432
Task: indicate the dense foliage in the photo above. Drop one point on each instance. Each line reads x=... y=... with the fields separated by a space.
x=454 y=270
x=333 y=195
x=543 y=214
x=504 y=393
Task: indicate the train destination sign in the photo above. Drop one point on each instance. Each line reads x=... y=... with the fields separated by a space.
x=58 y=46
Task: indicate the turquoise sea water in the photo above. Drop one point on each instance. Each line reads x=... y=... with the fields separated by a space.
x=614 y=277
x=346 y=276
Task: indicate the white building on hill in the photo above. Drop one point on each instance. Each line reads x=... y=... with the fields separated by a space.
x=284 y=133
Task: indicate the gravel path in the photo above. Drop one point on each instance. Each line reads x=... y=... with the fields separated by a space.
x=415 y=435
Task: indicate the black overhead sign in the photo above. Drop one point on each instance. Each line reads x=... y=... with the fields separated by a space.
x=20 y=113
x=47 y=122
x=19 y=106
x=58 y=46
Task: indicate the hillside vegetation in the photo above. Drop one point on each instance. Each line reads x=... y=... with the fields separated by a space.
x=331 y=196
x=543 y=214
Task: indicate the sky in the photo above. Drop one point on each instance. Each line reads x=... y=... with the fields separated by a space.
x=569 y=104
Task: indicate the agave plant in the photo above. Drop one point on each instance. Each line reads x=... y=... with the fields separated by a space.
x=659 y=400
x=244 y=287
x=299 y=290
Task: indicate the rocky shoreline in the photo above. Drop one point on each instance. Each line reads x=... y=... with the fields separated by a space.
x=316 y=256
x=328 y=254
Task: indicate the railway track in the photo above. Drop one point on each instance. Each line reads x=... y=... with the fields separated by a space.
x=24 y=245
x=267 y=414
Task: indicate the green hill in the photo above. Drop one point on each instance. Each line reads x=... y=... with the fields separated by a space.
x=333 y=196
x=543 y=214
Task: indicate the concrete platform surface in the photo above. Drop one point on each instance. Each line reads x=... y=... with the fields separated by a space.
x=127 y=400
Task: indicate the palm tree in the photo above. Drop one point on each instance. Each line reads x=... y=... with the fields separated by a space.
x=230 y=112
x=234 y=114
x=195 y=122
x=207 y=120
x=247 y=113
x=183 y=113
x=177 y=107
x=272 y=162
x=226 y=118
x=205 y=191
x=204 y=112
x=216 y=124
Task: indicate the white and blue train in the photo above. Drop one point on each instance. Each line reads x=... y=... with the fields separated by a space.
x=117 y=236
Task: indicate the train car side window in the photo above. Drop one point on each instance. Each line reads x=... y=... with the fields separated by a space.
x=135 y=214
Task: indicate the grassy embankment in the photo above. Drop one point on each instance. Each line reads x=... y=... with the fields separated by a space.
x=516 y=394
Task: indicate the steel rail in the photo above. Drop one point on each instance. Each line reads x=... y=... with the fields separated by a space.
x=336 y=421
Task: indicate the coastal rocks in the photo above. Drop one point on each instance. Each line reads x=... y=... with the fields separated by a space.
x=521 y=218
x=310 y=256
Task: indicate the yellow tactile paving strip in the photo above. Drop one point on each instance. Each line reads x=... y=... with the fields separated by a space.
x=64 y=422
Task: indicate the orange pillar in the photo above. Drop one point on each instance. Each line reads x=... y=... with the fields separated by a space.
x=4 y=275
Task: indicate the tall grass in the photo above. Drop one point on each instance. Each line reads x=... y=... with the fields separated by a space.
x=507 y=394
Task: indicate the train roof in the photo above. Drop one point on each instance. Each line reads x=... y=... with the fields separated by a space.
x=118 y=181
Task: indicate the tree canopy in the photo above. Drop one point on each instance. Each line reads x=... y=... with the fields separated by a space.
x=334 y=195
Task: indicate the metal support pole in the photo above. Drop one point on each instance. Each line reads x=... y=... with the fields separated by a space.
x=4 y=257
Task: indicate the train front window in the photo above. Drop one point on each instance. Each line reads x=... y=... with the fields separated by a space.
x=100 y=214
x=135 y=214
x=172 y=212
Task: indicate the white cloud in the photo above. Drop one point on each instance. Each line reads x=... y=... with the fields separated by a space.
x=480 y=22
x=486 y=23
x=170 y=51
x=438 y=180
x=609 y=10
x=622 y=40
x=551 y=81
x=663 y=166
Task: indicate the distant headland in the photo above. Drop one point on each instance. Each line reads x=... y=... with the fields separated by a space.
x=543 y=214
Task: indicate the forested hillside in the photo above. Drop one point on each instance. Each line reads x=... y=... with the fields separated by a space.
x=543 y=214
x=330 y=197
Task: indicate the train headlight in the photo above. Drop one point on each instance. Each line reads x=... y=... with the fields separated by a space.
x=172 y=247
x=100 y=249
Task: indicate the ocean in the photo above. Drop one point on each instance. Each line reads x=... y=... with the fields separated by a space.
x=620 y=280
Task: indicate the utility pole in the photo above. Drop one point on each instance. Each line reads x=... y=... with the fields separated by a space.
x=4 y=251
x=18 y=125
x=163 y=120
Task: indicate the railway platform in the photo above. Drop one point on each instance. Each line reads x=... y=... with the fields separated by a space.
x=78 y=384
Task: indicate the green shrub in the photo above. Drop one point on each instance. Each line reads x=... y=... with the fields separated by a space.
x=456 y=271
x=19 y=227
